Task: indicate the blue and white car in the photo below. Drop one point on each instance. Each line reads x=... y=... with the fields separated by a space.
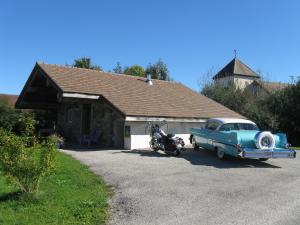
x=240 y=138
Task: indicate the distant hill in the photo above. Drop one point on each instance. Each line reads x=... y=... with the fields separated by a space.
x=9 y=99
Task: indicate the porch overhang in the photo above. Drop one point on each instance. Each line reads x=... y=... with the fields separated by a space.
x=160 y=119
x=39 y=92
x=78 y=95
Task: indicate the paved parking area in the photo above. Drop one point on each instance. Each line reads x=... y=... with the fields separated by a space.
x=197 y=188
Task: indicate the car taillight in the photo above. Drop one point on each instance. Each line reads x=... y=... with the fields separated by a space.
x=239 y=147
x=287 y=145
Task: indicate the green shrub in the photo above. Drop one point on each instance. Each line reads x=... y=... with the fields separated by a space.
x=25 y=164
x=17 y=121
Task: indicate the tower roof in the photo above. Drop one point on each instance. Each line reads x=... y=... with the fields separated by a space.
x=236 y=67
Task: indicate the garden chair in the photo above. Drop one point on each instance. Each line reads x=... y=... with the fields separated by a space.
x=93 y=137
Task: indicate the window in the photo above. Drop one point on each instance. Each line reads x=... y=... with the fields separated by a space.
x=238 y=126
x=127 y=131
x=69 y=115
x=212 y=125
x=247 y=126
x=228 y=127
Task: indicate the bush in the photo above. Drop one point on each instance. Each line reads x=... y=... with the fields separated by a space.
x=21 y=123
x=25 y=164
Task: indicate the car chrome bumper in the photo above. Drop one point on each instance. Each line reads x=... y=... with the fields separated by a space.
x=268 y=153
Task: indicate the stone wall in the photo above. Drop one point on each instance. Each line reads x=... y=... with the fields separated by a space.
x=103 y=117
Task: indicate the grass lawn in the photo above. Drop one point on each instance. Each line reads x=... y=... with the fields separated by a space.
x=296 y=148
x=71 y=195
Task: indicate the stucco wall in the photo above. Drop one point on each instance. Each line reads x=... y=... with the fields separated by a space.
x=240 y=82
x=140 y=138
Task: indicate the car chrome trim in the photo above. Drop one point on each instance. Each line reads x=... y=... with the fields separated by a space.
x=267 y=153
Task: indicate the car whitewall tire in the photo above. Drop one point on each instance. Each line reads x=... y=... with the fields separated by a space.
x=265 y=140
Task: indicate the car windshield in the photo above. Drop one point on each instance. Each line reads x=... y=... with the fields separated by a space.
x=238 y=126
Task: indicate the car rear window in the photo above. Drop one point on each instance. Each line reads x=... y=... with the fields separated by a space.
x=238 y=126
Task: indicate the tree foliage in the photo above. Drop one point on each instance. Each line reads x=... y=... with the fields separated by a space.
x=285 y=105
x=243 y=102
x=13 y=120
x=118 y=68
x=86 y=63
x=278 y=111
x=135 y=70
x=158 y=70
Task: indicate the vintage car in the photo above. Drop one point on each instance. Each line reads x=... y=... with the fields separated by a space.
x=240 y=138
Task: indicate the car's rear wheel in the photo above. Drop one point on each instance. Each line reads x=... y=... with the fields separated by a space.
x=220 y=153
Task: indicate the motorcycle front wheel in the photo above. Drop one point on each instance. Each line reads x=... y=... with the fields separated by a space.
x=152 y=146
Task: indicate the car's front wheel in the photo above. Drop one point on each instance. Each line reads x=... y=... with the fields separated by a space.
x=220 y=153
x=196 y=147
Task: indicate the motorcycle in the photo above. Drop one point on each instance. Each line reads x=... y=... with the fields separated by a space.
x=168 y=143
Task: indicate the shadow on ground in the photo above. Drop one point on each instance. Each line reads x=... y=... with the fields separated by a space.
x=79 y=148
x=206 y=158
x=10 y=196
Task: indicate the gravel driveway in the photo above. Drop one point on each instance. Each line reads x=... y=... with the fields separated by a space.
x=197 y=188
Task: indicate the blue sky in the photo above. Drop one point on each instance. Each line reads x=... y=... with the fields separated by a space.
x=192 y=37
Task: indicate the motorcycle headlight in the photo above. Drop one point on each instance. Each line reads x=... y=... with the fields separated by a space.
x=239 y=147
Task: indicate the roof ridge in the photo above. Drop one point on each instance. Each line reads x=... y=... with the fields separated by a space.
x=273 y=82
x=105 y=72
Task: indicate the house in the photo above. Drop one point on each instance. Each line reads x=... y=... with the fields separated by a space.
x=82 y=100
x=244 y=78
x=262 y=88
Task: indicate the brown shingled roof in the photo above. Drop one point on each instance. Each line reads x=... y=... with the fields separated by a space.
x=134 y=96
x=271 y=86
x=236 y=67
x=9 y=99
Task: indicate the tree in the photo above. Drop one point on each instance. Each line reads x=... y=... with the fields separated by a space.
x=86 y=63
x=135 y=70
x=285 y=105
x=118 y=68
x=16 y=121
x=243 y=102
x=158 y=70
